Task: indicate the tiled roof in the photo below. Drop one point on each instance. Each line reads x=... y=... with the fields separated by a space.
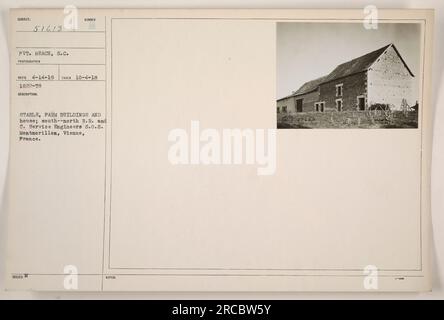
x=356 y=65
x=310 y=86
x=359 y=64
x=306 y=87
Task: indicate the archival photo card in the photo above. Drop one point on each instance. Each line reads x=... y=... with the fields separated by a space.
x=146 y=150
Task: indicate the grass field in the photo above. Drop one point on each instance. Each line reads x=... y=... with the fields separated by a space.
x=348 y=120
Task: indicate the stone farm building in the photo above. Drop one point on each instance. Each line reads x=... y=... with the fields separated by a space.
x=378 y=78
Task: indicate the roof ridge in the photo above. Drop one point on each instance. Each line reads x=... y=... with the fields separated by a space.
x=347 y=68
x=367 y=54
x=358 y=64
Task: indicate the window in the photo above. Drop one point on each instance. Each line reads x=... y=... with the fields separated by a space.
x=339 y=90
x=339 y=104
x=319 y=106
x=277 y=109
x=284 y=109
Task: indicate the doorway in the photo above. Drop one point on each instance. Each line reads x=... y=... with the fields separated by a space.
x=299 y=105
x=361 y=103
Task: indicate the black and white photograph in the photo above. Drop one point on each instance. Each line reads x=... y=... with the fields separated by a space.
x=347 y=76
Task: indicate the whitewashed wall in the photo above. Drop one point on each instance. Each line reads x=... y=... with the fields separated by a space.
x=389 y=81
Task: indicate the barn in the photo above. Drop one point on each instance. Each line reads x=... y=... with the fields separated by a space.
x=380 y=78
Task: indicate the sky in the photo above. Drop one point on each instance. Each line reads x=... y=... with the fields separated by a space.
x=306 y=51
